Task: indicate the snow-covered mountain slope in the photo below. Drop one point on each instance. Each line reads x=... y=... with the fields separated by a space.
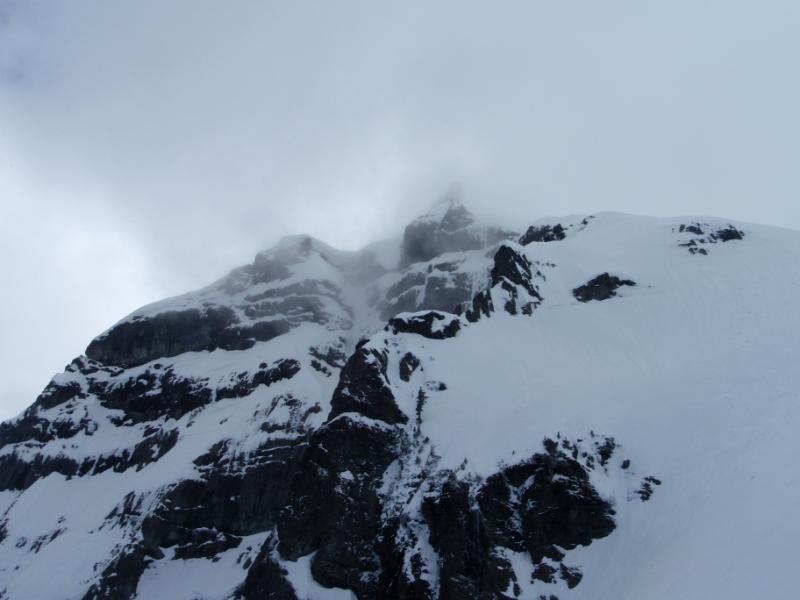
x=592 y=407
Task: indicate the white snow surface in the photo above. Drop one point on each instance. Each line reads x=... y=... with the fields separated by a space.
x=304 y=585
x=693 y=371
x=199 y=579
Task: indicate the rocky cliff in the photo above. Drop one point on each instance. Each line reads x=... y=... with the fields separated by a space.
x=473 y=415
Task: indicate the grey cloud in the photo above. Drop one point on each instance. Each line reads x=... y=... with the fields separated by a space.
x=198 y=133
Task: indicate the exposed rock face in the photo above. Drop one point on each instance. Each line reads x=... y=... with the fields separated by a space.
x=511 y=286
x=432 y=324
x=439 y=284
x=408 y=364
x=541 y=506
x=167 y=334
x=18 y=474
x=551 y=499
x=444 y=231
x=704 y=235
x=364 y=387
x=729 y=233
x=449 y=228
x=444 y=262
x=267 y=579
x=512 y=273
x=250 y=427
x=543 y=233
x=267 y=375
x=266 y=269
x=119 y=579
x=334 y=508
x=154 y=393
x=254 y=303
x=602 y=287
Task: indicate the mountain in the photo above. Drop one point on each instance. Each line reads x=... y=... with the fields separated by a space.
x=590 y=407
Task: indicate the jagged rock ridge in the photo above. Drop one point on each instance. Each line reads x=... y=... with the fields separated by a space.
x=325 y=424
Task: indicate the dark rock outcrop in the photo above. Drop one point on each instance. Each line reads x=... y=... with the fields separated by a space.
x=33 y=427
x=120 y=578
x=170 y=333
x=155 y=393
x=432 y=324
x=245 y=383
x=726 y=234
x=265 y=269
x=427 y=238
x=19 y=474
x=512 y=280
x=408 y=364
x=512 y=266
x=333 y=356
x=58 y=393
x=148 y=451
x=236 y=496
x=704 y=235
x=439 y=287
x=646 y=491
x=360 y=492
x=551 y=498
x=334 y=508
x=543 y=233
x=694 y=228
x=602 y=287
x=364 y=388
x=542 y=506
x=481 y=306
x=471 y=564
x=266 y=579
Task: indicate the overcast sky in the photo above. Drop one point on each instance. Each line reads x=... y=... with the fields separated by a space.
x=147 y=147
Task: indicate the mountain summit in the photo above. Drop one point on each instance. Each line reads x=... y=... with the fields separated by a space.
x=449 y=227
x=591 y=407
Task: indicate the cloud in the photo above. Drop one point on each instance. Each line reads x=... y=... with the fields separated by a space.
x=188 y=135
x=68 y=273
